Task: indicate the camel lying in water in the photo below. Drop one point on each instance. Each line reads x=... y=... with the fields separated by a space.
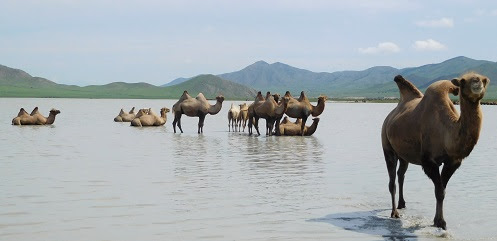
x=149 y=118
x=125 y=117
x=288 y=128
x=35 y=118
x=427 y=130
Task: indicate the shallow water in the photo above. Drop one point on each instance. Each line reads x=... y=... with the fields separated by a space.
x=89 y=178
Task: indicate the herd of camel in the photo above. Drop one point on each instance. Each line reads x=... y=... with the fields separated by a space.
x=423 y=129
x=271 y=108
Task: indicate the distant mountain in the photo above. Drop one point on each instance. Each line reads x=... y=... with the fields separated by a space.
x=212 y=86
x=175 y=82
x=277 y=77
x=372 y=82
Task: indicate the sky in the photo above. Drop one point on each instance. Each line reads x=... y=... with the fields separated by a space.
x=156 y=41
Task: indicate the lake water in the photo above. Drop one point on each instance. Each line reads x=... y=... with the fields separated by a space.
x=89 y=178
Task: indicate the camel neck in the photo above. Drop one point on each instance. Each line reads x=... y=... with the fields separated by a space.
x=214 y=109
x=318 y=109
x=50 y=119
x=469 y=126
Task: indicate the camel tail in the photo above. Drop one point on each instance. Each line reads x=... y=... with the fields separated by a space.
x=407 y=90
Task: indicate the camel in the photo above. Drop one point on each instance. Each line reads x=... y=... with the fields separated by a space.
x=125 y=117
x=427 y=130
x=23 y=118
x=243 y=117
x=233 y=117
x=272 y=111
x=150 y=118
x=302 y=108
x=198 y=106
x=253 y=119
x=288 y=128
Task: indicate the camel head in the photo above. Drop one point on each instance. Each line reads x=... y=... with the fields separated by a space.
x=322 y=98
x=276 y=97
x=54 y=112
x=243 y=106
x=220 y=98
x=315 y=120
x=472 y=86
x=164 y=110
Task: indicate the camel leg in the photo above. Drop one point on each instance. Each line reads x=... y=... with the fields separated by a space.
x=174 y=122
x=229 y=125
x=179 y=124
x=401 y=173
x=304 y=119
x=256 y=125
x=250 y=125
x=277 y=127
x=201 y=119
x=391 y=161
x=431 y=170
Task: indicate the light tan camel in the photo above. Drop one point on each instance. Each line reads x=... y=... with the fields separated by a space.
x=233 y=117
x=198 y=106
x=288 y=128
x=272 y=111
x=302 y=108
x=23 y=118
x=243 y=117
x=125 y=117
x=253 y=119
x=150 y=118
x=428 y=131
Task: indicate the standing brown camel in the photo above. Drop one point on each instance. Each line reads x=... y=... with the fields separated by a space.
x=288 y=128
x=198 y=106
x=253 y=119
x=272 y=111
x=302 y=108
x=233 y=117
x=23 y=118
x=149 y=118
x=428 y=131
x=243 y=117
x=125 y=117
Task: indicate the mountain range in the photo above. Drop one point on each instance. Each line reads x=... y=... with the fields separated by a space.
x=375 y=82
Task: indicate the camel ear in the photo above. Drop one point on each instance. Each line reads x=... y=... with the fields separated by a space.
x=485 y=81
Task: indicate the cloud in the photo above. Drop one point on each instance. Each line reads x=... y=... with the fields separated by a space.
x=385 y=47
x=428 y=45
x=437 y=23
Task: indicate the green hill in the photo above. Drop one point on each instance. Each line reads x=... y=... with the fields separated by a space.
x=17 y=83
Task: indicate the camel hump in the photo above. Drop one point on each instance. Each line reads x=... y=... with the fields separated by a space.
x=407 y=90
x=200 y=96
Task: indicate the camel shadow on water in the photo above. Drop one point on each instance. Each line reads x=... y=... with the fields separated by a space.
x=369 y=222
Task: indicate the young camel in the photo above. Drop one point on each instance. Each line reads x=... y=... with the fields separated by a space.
x=149 y=118
x=198 y=106
x=125 y=117
x=288 y=128
x=233 y=117
x=302 y=108
x=243 y=117
x=428 y=131
x=23 y=118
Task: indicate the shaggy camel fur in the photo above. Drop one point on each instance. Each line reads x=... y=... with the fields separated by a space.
x=23 y=118
x=253 y=119
x=302 y=108
x=243 y=117
x=125 y=117
x=272 y=111
x=149 y=118
x=198 y=106
x=233 y=117
x=428 y=131
x=288 y=128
